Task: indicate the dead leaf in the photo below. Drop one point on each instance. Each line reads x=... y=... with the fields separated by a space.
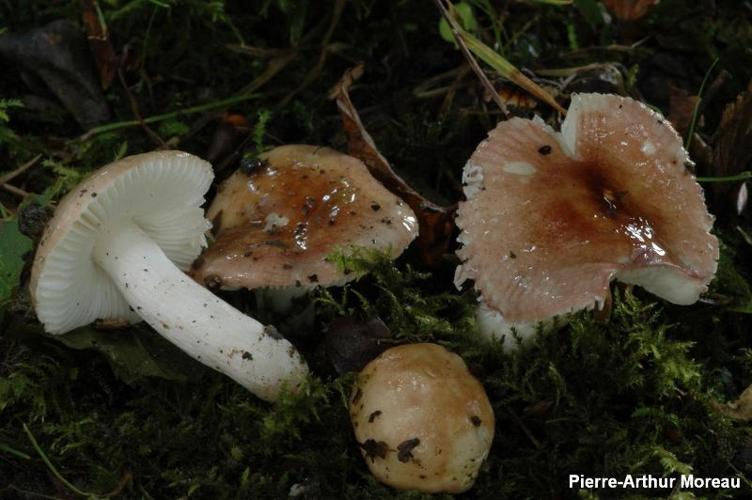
x=99 y=42
x=350 y=343
x=436 y=222
x=230 y=133
x=681 y=107
x=741 y=409
x=731 y=152
x=56 y=56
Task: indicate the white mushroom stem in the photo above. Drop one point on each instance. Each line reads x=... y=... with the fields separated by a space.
x=281 y=301
x=193 y=318
x=493 y=325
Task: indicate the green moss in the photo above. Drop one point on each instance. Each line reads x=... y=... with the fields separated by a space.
x=631 y=395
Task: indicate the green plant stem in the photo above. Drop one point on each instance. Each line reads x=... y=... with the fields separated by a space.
x=696 y=110
x=52 y=468
x=730 y=178
x=167 y=116
x=7 y=449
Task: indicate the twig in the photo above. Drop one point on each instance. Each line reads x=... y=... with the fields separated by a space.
x=23 y=168
x=517 y=420
x=257 y=52
x=316 y=70
x=137 y=113
x=14 y=190
x=470 y=59
x=28 y=493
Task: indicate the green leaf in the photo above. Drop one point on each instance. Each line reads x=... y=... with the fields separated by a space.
x=13 y=247
x=5 y=105
x=173 y=128
x=134 y=353
x=467 y=18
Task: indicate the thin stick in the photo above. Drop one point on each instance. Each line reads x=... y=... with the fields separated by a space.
x=23 y=168
x=137 y=112
x=14 y=190
x=470 y=59
x=314 y=72
x=517 y=420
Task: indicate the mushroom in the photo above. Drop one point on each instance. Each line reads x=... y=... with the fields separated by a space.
x=551 y=218
x=278 y=218
x=422 y=421
x=115 y=249
x=630 y=10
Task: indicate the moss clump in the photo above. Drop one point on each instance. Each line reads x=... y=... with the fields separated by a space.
x=600 y=399
x=132 y=416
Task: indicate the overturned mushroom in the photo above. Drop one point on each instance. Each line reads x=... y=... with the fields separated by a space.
x=551 y=218
x=278 y=218
x=421 y=419
x=114 y=250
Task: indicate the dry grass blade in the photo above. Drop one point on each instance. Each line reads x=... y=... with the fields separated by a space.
x=492 y=58
x=457 y=32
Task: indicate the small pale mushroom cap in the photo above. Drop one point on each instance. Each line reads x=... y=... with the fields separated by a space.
x=161 y=191
x=422 y=421
x=275 y=225
x=551 y=218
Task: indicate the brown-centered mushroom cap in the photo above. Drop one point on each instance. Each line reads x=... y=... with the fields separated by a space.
x=422 y=421
x=276 y=224
x=550 y=219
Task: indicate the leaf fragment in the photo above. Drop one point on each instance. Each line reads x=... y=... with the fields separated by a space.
x=13 y=247
x=134 y=353
x=740 y=409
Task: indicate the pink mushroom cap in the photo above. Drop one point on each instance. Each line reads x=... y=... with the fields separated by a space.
x=551 y=218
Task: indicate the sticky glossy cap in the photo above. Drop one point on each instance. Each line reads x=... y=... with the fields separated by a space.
x=276 y=222
x=550 y=219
